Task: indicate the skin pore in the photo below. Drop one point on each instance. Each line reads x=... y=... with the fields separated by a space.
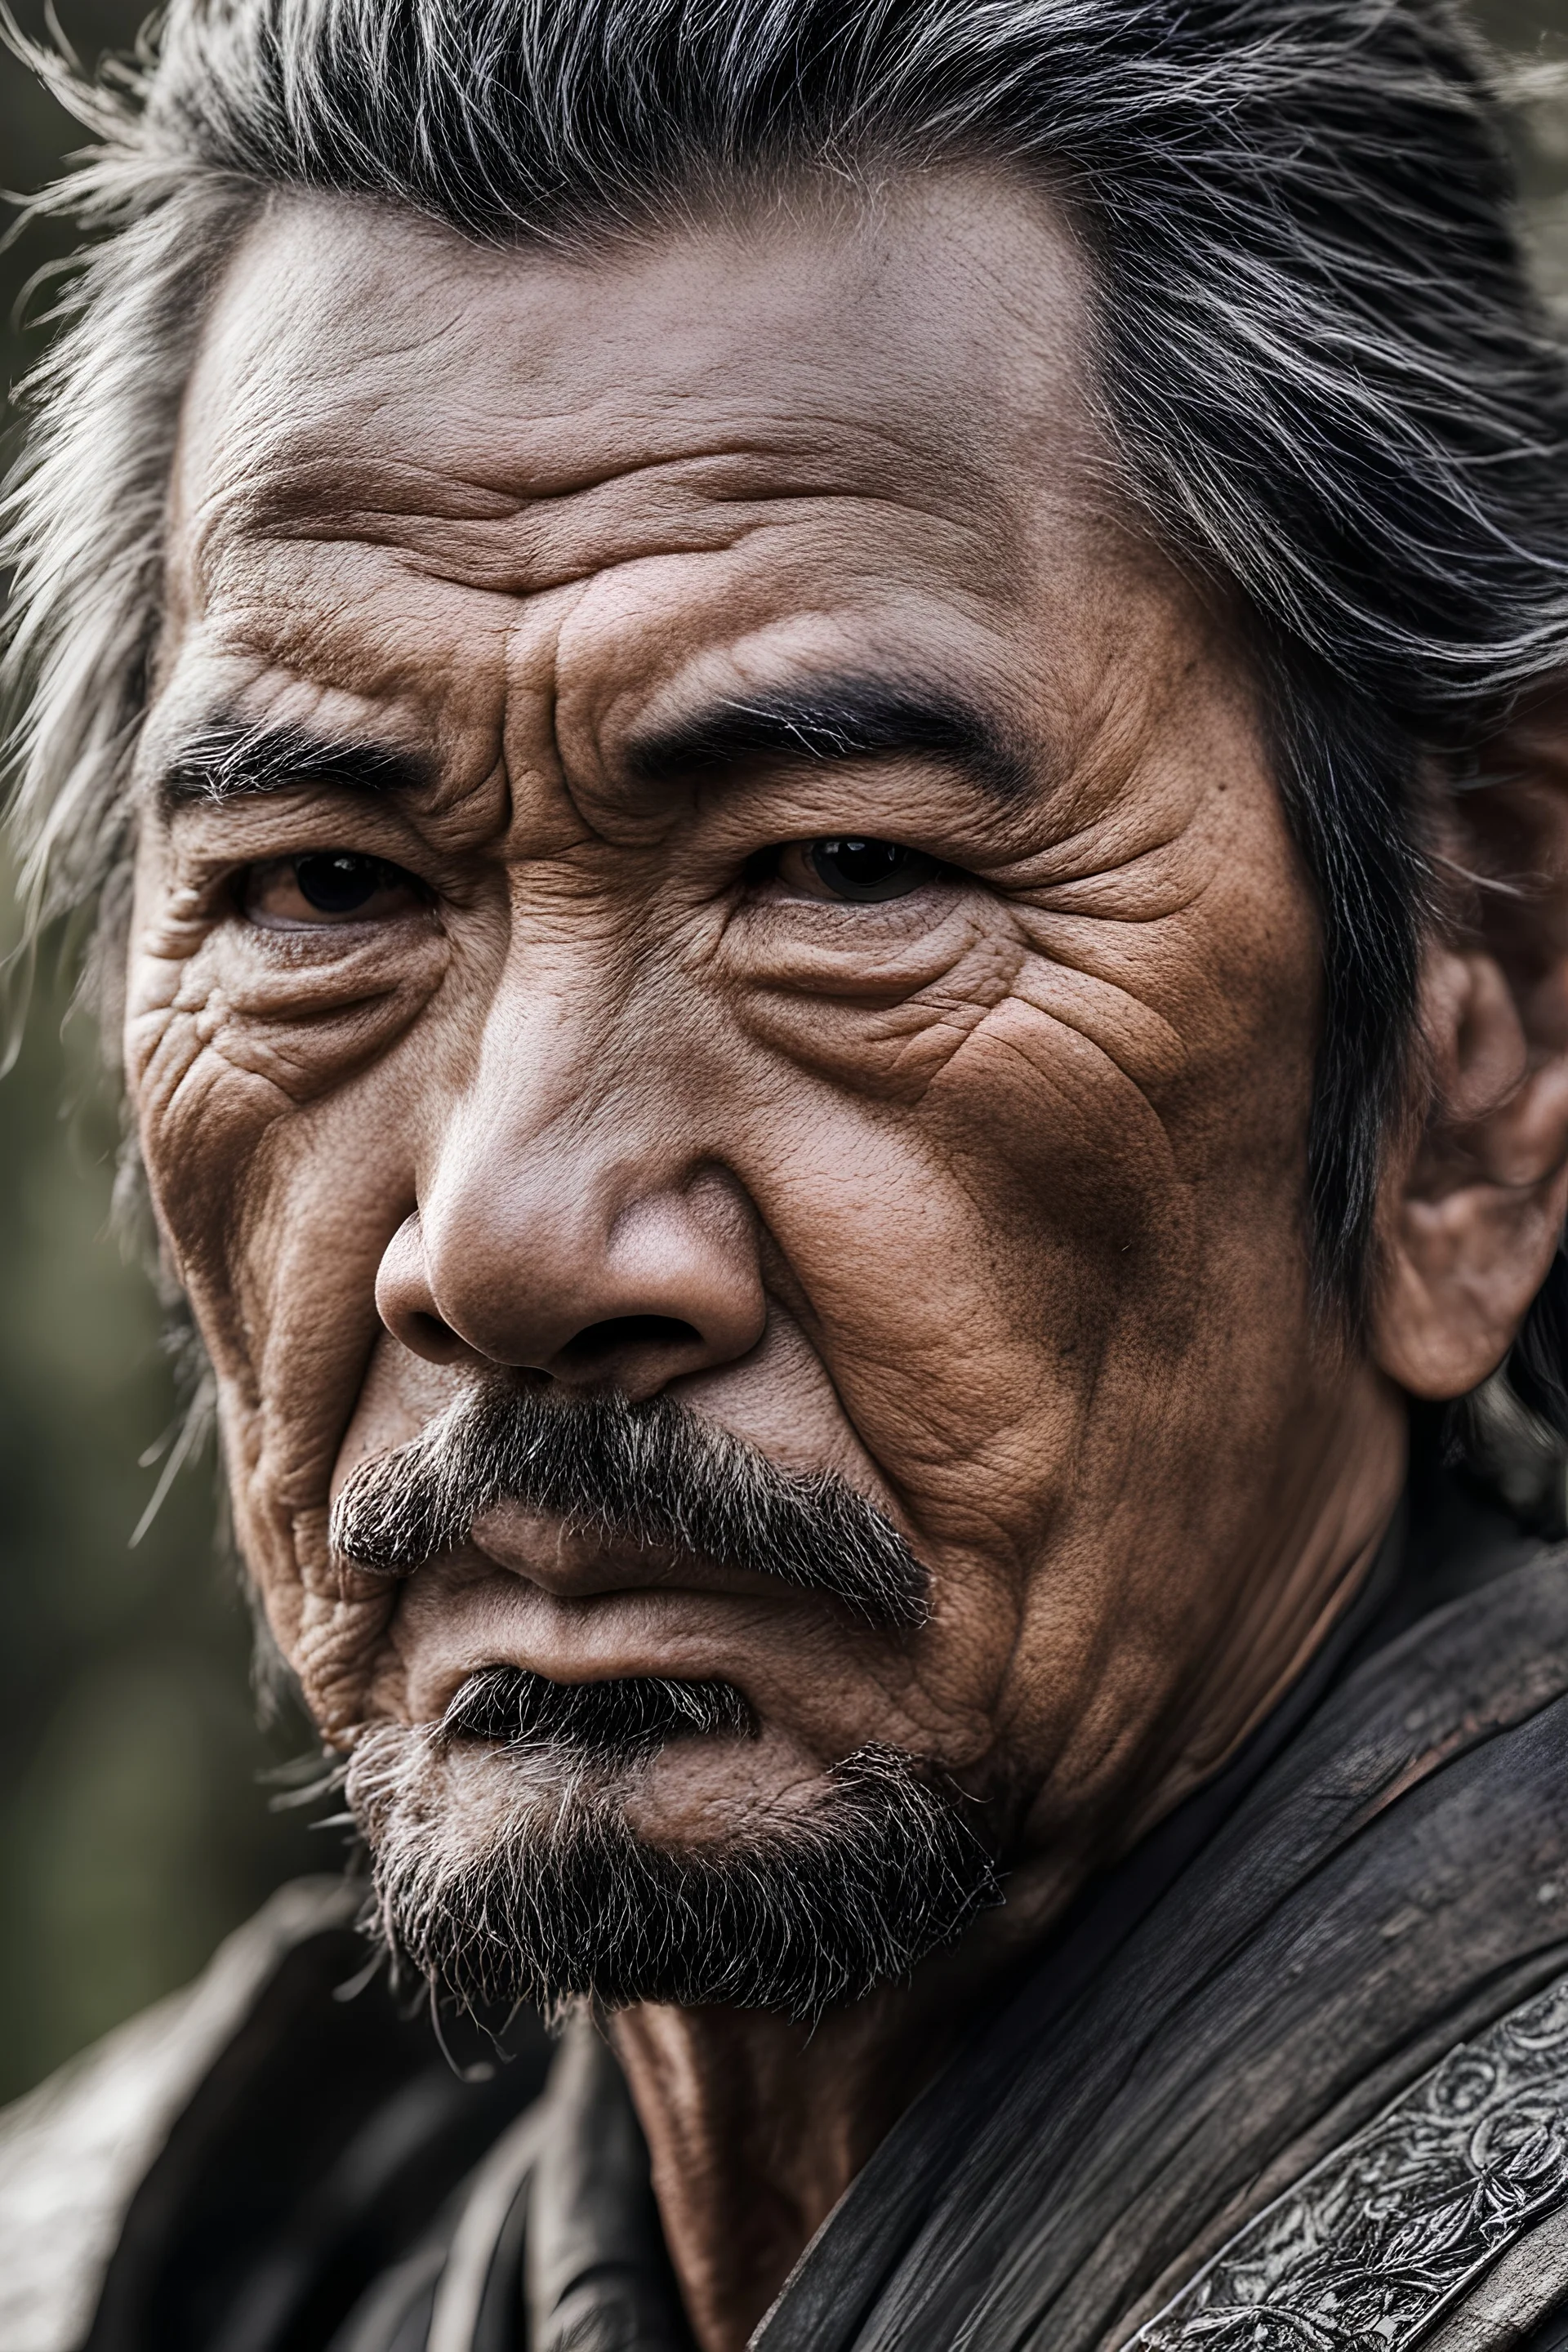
x=502 y=994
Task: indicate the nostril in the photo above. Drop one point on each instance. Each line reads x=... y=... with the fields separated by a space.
x=600 y=1343
x=428 y=1336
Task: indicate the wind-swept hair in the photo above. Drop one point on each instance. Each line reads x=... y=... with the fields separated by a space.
x=1316 y=351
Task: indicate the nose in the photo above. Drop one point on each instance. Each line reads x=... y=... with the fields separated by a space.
x=596 y=1277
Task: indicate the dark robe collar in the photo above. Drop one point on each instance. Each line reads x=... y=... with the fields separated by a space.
x=1394 y=1880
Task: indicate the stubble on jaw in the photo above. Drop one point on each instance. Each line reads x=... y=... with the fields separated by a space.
x=508 y=1872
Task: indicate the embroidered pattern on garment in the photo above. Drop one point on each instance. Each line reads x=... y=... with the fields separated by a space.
x=1369 y=2246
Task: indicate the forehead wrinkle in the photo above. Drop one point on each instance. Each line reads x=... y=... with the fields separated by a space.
x=378 y=624
x=473 y=492
x=547 y=388
x=417 y=461
x=802 y=452
x=517 y=544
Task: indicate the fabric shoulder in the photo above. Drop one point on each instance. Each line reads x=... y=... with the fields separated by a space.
x=74 y=2151
x=1390 y=1891
x=1448 y=2212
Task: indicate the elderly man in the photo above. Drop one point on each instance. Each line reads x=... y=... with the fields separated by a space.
x=821 y=746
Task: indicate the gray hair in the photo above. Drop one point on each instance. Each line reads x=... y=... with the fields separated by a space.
x=505 y=1870
x=656 y=1473
x=1325 y=373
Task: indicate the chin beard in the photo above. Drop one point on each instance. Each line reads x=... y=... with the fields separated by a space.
x=506 y=1874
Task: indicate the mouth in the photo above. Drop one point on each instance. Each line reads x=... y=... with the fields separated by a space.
x=623 y=1719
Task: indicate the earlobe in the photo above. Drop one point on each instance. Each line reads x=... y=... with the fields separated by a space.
x=1475 y=1203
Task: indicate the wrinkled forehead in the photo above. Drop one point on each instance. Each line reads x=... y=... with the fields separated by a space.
x=880 y=402
x=931 y=322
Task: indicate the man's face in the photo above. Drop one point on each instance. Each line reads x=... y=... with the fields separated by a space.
x=809 y=934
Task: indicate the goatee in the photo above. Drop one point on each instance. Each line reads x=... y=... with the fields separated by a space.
x=507 y=1873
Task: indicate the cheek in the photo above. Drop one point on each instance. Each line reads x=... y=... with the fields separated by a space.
x=1045 y=1263
x=278 y=1143
x=976 y=1171
x=294 y=1015
x=285 y=1296
x=965 y=1256
x=278 y=1126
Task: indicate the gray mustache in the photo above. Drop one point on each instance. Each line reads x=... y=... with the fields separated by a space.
x=654 y=1473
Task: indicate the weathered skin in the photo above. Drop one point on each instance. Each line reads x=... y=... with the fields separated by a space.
x=990 y=1196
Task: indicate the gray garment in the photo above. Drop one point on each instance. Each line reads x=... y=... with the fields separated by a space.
x=553 y=2244
x=1444 y=2222
x=1394 y=1884
x=73 y=2152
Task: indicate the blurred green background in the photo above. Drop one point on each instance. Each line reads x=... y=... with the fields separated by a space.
x=134 y=1829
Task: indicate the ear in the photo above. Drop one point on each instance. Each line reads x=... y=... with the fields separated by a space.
x=1473 y=1201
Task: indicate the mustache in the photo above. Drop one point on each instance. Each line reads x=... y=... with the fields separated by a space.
x=655 y=1473
x=624 y=1720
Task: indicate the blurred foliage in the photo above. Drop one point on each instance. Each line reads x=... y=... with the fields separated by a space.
x=132 y=1831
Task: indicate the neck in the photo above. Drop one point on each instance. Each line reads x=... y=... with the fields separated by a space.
x=756 y=2125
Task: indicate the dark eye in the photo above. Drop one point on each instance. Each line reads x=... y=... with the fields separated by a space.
x=846 y=865
x=329 y=885
x=338 y=883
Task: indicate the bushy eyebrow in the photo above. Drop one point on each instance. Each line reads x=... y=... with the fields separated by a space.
x=227 y=759
x=836 y=720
